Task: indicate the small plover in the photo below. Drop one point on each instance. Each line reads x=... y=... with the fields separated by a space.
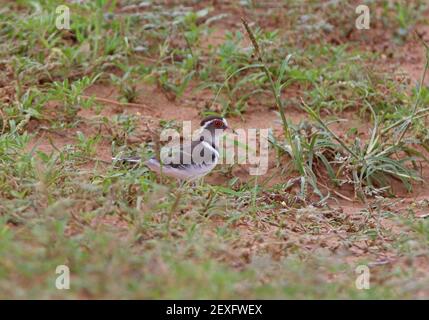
x=190 y=161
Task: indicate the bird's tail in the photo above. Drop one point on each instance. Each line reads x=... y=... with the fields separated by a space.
x=152 y=163
x=132 y=160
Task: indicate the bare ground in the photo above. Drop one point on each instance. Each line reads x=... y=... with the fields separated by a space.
x=152 y=105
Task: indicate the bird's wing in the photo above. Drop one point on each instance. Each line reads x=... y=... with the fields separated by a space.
x=181 y=156
x=188 y=154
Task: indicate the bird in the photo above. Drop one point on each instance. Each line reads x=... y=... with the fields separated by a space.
x=192 y=160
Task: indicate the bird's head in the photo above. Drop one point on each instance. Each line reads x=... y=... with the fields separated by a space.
x=212 y=128
x=213 y=123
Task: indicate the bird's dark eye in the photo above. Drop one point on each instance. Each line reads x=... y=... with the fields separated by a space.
x=218 y=124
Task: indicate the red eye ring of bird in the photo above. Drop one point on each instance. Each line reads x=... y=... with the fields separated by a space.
x=219 y=124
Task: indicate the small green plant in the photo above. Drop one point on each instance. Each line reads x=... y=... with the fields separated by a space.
x=69 y=96
x=87 y=145
x=127 y=87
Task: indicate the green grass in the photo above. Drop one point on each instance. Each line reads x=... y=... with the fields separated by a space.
x=126 y=234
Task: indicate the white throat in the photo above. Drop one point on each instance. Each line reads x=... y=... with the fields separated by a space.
x=211 y=137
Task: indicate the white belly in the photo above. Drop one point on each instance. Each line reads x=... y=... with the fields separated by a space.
x=189 y=173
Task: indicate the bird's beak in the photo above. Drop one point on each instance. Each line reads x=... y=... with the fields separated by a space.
x=231 y=130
